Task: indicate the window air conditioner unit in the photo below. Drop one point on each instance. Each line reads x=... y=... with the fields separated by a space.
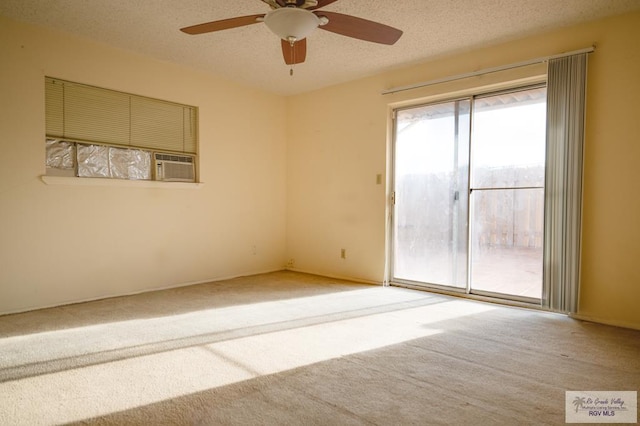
x=174 y=168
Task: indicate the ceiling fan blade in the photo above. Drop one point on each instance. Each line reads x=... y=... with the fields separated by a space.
x=295 y=54
x=223 y=24
x=322 y=3
x=359 y=28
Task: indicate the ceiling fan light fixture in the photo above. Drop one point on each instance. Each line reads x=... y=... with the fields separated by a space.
x=291 y=22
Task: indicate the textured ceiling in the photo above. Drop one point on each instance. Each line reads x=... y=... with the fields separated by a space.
x=252 y=55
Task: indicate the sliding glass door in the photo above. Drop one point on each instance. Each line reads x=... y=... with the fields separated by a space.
x=469 y=194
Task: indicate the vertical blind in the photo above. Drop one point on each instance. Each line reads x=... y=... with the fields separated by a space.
x=84 y=113
x=566 y=98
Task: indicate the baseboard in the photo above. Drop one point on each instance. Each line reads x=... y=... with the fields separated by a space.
x=622 y=324
x=133 y=293
x=337 y=277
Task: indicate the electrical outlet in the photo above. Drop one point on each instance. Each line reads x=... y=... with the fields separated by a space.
x=343 y=253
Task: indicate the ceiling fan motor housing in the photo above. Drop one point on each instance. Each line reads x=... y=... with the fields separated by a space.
x=299 y=3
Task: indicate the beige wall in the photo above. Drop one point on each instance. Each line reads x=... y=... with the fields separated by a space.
x=62 y=243
x=338 y=142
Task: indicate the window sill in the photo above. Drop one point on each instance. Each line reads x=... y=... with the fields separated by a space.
x=77 y=181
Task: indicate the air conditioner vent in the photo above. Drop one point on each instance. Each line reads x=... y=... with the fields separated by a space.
x=170 y=157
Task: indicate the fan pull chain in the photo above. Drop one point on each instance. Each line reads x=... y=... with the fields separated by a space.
x=292 y=41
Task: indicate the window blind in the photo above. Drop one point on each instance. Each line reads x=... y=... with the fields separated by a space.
x=83 y=113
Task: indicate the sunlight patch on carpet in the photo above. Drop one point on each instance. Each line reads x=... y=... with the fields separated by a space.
x=98 y=389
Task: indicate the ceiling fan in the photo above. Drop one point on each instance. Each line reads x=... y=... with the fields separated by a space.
x=294 y=20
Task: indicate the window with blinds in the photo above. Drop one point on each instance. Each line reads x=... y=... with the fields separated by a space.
x=84 y=115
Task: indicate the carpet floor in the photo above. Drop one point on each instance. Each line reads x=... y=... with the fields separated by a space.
x=293 y=349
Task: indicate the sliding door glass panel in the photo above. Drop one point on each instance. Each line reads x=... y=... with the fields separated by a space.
x=509 y=134
x=430 y=243
x=507 y=175
x=507 y=241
